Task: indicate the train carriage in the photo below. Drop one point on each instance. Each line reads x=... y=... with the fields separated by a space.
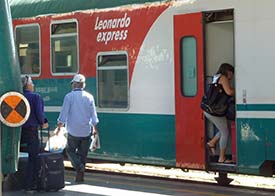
x=148 y=64
x=11 y=103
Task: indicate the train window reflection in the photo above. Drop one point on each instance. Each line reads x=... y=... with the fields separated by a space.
x=64 y=47
x=112 y=84
x=69 y=27
x=28 y=45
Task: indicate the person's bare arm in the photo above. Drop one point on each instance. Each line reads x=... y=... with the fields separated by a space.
x=226 y=86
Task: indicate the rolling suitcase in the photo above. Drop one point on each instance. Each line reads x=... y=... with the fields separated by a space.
x=51 y=170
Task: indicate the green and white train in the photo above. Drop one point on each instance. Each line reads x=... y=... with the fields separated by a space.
x=147 y=64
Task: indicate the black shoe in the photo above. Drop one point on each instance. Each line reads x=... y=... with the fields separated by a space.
x=79 y=176
x=81 y=168
x=29 y=190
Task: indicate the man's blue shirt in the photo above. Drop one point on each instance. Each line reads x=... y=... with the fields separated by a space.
x=78 y=113
x=37 y=116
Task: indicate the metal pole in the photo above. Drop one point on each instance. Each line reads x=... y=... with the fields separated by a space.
x=1 y=176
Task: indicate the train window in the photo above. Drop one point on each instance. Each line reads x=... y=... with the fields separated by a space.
x=188 y=66
x=28 y=44
x=64 y=48
x=69 y=27
x=112 y=76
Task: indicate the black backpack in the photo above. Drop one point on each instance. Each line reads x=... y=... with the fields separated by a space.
x=215 y=100
x=231 y=110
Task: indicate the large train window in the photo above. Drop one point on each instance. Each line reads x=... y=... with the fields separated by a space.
x=112 y=80
x=64 y=47
x=28 y=45
x=188 y=66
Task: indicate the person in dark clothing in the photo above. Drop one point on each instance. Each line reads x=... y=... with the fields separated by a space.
x=223 y=77
x=29 y=134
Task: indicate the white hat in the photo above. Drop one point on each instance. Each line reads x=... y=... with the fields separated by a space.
x=26 y=80
x=78 y=78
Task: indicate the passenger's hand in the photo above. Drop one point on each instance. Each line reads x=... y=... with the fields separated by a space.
x=57 y=130
x=94 y=130
x=45 y=125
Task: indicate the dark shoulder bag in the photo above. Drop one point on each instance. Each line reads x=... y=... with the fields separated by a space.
x=231 y=111
x=215 y=100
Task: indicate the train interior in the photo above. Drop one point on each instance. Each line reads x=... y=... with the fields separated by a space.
x=219 y=48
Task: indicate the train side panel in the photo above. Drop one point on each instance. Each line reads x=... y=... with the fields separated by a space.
x=254 y=81
x=151 y=100
x=151 y=105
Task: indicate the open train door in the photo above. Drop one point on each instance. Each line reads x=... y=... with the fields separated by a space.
x=189 y=88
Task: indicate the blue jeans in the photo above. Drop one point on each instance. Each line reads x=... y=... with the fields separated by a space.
x=77 y=150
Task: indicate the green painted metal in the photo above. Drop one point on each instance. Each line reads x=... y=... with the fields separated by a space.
x=137 y=138
x=255 y=144
x=134 y=138
x=123 y=138
x=255 y=139
x=30 y=8
x=9 y=81
x=255 y=107
x=54 y=90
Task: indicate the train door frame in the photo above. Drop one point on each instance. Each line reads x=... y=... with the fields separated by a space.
x=218 y=29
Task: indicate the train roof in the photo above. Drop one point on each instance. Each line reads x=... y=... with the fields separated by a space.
x=30 y=8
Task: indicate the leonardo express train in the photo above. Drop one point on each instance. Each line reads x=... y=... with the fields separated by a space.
x=148 y=64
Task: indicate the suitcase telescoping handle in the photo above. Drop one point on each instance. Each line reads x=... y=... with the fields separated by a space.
x=41 y=136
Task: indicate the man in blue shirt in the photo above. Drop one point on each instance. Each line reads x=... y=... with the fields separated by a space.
x=30 y=128
x=79 y=115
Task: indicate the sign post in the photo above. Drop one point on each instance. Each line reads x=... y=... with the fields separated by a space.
x=14 y=112
x=15 y=109
x=1 y=176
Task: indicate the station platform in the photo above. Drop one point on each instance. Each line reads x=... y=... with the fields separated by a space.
x=135 y=170
x=175 y=173
x=116 y=183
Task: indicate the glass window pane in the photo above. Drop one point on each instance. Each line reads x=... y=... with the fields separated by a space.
x=112 y=60
x=64 y=48
x=112 y=81
x=64 y=55
x=64 y=28
x=28 y=44
x=189 y=66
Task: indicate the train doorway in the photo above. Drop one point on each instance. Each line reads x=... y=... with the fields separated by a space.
x=219 y=48
x=199 y=47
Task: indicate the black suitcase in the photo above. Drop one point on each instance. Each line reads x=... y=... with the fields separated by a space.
x=51 y=170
